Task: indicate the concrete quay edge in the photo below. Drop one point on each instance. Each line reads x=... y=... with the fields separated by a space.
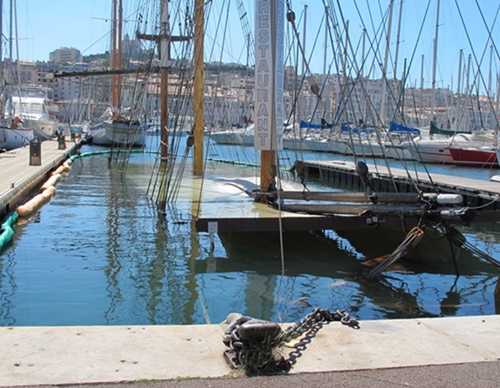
x=75 y=355
x=19 y=178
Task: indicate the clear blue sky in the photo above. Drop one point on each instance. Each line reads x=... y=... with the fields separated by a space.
x=45 y=25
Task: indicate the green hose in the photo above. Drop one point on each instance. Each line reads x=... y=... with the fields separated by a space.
x=6 y=230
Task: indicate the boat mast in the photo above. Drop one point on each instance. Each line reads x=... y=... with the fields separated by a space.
x=434 y=62
x=164 y=57
x=10 y=75
x=383 y=115
x=304 y=41
x=489 y=73
x=119 y=56
x=422 y=91
x=114 y=18
x=327 y=28
x=398 y=35
x=198 y=95
x=116 y=53
x=458 y=114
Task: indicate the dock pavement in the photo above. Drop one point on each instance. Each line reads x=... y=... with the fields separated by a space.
x=454 y=351
x=440 y=352
x=19 y=176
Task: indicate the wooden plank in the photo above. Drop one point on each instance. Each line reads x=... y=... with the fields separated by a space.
x=379 y=172
x=294 y=223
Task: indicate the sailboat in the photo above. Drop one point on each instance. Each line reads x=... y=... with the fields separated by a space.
x=119 y=126
x=13 y=132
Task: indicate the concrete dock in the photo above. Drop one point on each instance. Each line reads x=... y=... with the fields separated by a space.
x=117 y=354
x=20 y=177
x=416 y=352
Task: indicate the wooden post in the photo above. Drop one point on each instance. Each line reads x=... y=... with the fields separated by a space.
x=199 y=26
x=267 y=173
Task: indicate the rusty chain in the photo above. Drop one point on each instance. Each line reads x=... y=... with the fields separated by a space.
x=312 y=319
x=252 y=342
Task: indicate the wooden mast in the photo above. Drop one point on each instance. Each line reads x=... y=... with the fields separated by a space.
x=163 y=39
x=116 y=53
x=164 y=57
x=119 y=56
x=114 y=19
x=199 y=27
x=269 y=65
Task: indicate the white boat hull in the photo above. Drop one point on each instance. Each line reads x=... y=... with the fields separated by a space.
x=364 y=148
x=109 y=133
x=431 y=152
x=398 y=152
x=43 y=129
x=227 y=137
x=11 y=139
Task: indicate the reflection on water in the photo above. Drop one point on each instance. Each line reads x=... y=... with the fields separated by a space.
x=99 y=254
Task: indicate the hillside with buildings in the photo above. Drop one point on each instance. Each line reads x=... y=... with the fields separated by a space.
x=229 y=92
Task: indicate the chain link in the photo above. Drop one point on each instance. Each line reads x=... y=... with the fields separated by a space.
x=252 y=342
x=312 y=319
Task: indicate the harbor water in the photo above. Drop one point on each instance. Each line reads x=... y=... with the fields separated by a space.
x=100 y=253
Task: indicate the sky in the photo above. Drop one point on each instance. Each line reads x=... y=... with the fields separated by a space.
x=44 y=26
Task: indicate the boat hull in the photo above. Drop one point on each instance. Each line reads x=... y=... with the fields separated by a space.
x=227 y=137
x=110 y=133
x=43 y=129
x=471 y=157
x=436 y=152
x=11 y=139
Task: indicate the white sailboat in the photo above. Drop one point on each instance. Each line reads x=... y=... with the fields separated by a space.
x=13 y=132
x=120 y=125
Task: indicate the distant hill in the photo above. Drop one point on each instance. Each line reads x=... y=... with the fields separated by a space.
x=96 y=57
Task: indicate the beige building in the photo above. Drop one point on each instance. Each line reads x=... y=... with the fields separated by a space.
x=65 y=55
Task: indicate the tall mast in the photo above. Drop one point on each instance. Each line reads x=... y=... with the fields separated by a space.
x=119 y=55
x=10 y=76
x=422 y=90
x=398 y=34
x=489 y=73
x=327 y=28
x=114 y=19
x=459 y=87
x=199 y=26
x=383 y=115
x=304 y=40
x=434 y=61
x=164 y=57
